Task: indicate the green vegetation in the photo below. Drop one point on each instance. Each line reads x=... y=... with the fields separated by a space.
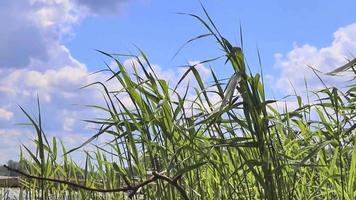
x=170 y=146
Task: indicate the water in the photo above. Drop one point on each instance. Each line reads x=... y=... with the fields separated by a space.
x=9 y=193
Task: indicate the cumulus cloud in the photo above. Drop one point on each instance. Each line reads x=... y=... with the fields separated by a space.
x=32 y=30
x=58 y=89
x=62 y=100
x=25 y=83
x=294 y=65
x=15 y=46
x=33 y=62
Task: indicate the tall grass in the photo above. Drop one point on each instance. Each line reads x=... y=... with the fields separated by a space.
x=170 y=144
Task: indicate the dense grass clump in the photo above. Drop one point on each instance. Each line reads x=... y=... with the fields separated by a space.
x=177 y=142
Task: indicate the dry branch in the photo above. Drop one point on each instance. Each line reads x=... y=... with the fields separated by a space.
x=132 y=189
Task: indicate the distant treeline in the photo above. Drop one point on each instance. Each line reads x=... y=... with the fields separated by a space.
x=12 y=164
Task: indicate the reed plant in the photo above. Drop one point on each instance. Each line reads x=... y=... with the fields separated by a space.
x=178 y=142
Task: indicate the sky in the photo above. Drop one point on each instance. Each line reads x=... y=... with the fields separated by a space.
x=47 y=48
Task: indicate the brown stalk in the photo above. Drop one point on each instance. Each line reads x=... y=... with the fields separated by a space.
x=132 y=189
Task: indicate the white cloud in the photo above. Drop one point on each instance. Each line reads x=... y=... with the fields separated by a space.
x=43 y=66
x=285 y=105
x=11 y=140
x=294 y=64
x=33 y=30
x=58 y=89
x=68 y=123
x=294 y=68
x=5 y=114
x=21 y=84
x=34 y=62
x=35 y=27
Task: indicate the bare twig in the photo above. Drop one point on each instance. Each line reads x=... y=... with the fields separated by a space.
x=132 y=189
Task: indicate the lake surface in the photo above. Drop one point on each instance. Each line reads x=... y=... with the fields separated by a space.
x=9 y=193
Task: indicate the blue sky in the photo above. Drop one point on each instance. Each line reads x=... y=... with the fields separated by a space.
x=155 y=27
x=47 y=48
